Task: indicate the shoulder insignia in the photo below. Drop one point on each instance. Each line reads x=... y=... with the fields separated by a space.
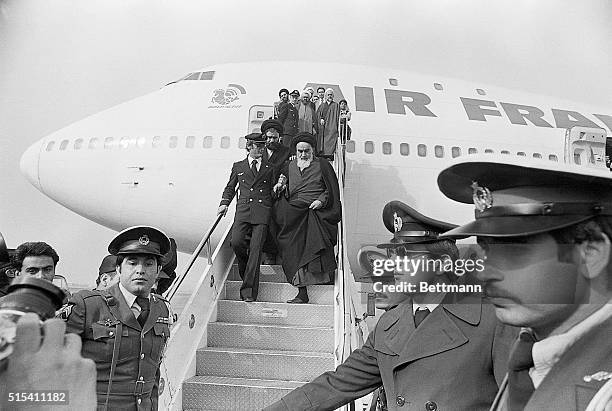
x=64 y=312
x=164 y=320
x=598 y=376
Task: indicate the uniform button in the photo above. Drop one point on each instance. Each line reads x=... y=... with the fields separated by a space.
x=111 y=333
x=431 y=406
x=400 y=401
x=261 y=191
x=139 y=400
x=141 y=378
x=260 y=201
x=141 y=356
x=251 y=189
x=250 y=199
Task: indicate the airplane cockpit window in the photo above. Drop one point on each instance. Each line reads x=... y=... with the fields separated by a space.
x=78 y=143
x=190 y=142
x=404 y=149
x=225 y=142
x=108 y=143
x=505 y=152
x=369 y=147
x=422 y=150
x=350 y=146
x=521 y=153
x=438 y=86
x=489 y=151
x=455 y=152
x=173 y=142
x=63 y=145
x=472 y=150
x=553 y=157
x=207 y=75
x=93 y=143
x=50 y=145
x=481 y=92
x=207 y=142
x=193 y=76
x=141 y=141
x=439 y=151
x=386 y=148
x=537 y=155
x=156 y=141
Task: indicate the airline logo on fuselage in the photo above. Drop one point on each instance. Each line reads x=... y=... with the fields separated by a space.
x=405 y=102
x=225 y=97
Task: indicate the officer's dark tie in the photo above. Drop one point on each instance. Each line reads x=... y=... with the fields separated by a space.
x=145 y=307
x=520 y=386
x=254 y=167
x=420 y=315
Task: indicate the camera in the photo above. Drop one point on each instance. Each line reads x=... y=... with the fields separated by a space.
x=25 y=295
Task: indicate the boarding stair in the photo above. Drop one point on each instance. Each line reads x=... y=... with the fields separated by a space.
x=226 y=354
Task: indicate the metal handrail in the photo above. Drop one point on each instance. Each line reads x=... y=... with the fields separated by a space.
x=204 y=242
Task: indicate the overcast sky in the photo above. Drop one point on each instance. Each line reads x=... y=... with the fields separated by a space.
x=61 y=60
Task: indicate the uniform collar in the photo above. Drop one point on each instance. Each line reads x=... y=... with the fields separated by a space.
x=129 y=297
x=250 y=160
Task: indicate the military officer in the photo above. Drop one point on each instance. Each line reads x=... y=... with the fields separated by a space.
x=420 y=348
x=124 y=329
x=545 y=228
x=254 y=178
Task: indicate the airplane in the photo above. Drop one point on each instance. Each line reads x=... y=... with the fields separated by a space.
x=163 y=158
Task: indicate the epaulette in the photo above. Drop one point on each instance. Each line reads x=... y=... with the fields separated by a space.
x=110 y=299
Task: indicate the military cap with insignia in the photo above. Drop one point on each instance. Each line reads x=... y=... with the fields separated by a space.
x=519 y=197
x=271 y=123
x=256 y=137
x=295 y=93
x=108 y=264
x=410 y=226
x=140 y=240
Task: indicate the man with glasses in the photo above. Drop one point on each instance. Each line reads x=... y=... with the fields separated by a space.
x=254 y=178
x=545 y=228
x=434 y=350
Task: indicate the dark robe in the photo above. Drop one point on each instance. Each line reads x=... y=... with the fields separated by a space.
x=306 y=238
x=327 y=136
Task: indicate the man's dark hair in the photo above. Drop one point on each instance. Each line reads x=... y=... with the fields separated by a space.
x=321 y=88
x=33 y=249
x=283 y=90
x=437 y=248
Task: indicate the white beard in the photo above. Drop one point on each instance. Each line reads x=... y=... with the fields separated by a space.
x=302 y=164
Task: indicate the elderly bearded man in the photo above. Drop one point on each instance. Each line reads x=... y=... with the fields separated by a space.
x=307 y=216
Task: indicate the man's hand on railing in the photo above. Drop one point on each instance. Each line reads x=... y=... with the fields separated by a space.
x=222 y=210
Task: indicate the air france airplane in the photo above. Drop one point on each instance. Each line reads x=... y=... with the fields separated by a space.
x=164 y=158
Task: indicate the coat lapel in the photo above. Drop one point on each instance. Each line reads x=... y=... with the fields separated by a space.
x=154 y=313
x=263 y=170
x=121 y=310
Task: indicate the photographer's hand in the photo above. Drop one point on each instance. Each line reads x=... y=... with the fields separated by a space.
x=53 y=365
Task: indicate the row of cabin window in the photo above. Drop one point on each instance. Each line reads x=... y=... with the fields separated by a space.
x=404 y=148
x=141 y=142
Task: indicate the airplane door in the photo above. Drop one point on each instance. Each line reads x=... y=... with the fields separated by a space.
x=257 y=115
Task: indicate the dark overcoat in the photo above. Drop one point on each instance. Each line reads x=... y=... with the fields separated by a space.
x=254 y=192
x=453 y=361
x=573 y=381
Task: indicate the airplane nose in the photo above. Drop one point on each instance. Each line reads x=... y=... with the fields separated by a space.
x=29 y=164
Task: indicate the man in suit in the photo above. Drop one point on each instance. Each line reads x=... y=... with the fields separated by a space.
x=124 y=329
x=288 y=117
x=419 y=348
x=545 y=229
x=254 y=178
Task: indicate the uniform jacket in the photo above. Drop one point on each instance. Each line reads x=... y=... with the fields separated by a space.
x=288 y=116
x=278 y=157
x=99 y=317
x=254 y=192
x=453 y=361
x=565 y=387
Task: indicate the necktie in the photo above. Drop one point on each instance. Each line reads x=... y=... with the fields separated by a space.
x=420 y=315
x=254 y=167
x=145 y=307
x=520 y=386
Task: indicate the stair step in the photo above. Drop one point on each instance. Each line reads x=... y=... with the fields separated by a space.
x=273 y=337
x=281 y=292
x=314 y=315
x=264 y=364
x=268 y=273
x=204 y=392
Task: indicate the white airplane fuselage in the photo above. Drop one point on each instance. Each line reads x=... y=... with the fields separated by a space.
x=164 y=158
